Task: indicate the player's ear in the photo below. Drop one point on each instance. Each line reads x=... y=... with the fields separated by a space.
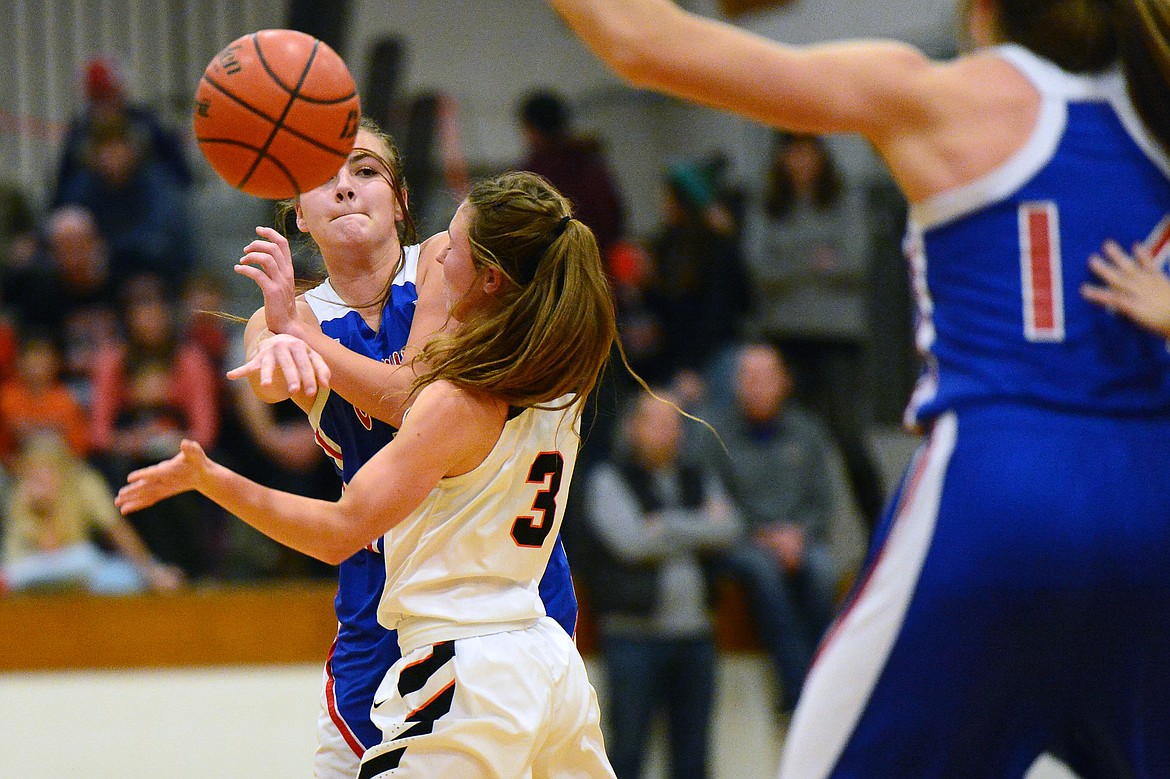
x=300 y=216
x=493 y=279
x=403 y=205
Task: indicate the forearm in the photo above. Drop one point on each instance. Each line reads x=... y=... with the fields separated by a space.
x=620 y=523
x=256 y=333
x=380 y=389
x=318 y=528
x=703 y=528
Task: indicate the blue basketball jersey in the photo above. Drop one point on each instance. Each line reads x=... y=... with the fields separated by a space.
x=1016 y=599
x=364 y=650
x=997 y=264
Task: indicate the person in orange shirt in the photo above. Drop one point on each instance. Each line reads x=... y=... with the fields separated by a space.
x=36 y=398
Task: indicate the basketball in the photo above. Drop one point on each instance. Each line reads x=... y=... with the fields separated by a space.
x=276 y=113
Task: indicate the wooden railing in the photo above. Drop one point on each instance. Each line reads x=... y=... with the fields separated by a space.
x=238 y=625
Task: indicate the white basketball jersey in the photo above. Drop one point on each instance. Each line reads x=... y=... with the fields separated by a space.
x=468 y=560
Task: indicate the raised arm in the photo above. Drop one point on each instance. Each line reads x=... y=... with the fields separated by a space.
x=862 y=86
x=936 y=125
x=377 y=388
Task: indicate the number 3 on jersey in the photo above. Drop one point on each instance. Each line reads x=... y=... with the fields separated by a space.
x=546 y=469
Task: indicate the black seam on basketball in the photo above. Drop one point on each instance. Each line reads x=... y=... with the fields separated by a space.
x=315 y=100
x=296 y=133
x=319 y=101
x=231 y=142
x=228 y=93
x=279 y=123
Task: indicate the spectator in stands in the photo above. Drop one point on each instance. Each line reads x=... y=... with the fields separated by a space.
x=106 y=99
x=776 y=467
x=55 y=503
x=17 y=227
x=700 y=283
x=654 y=520
x=808 y=253
x=268 y=442
x=36 y=399
x=68 y=269
x=575 y=164
x=139 y=210
x=149 y=392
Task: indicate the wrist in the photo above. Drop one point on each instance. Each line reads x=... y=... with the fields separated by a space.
x=296 y=328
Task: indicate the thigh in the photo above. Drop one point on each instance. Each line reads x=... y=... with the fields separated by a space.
x=573 y=747
x=487 y=706
x=908 y=681
x=1016 y=601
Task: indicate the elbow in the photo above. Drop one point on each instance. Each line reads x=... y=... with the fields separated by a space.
x=270 y=393
x=334 y=557
x=337 y=552
x=345 y=535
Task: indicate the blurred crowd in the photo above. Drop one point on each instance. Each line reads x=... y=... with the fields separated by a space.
x=747 y=306
x=113 y=347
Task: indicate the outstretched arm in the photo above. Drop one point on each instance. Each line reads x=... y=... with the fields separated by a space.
x=863 y=86
x=1134 y=286
x=449 y=432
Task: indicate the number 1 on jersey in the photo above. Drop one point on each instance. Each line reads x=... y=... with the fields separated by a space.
x=1040 y=271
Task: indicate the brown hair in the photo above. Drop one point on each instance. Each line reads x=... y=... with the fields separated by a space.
x=407 y=232
x=1089 y=35
x=552 y=329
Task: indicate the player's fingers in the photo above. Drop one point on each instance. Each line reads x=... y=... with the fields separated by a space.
x=267 y=368
x=288 y=366
x=240 y=371
x=276 y=248
x=261 y=260
x=1102 y=296
x=323 y=373
x=1118 y=256
x=273 y=235
x=255 y=274
x=140 y=474
x=262 y=245
x=191 y=448
x=1108 y=272
x=306 y=371
x=1145 y=257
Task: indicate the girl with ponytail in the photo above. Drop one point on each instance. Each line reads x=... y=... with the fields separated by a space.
x=465 y=502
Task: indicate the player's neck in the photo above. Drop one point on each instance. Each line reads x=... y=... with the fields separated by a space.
x=360 y=277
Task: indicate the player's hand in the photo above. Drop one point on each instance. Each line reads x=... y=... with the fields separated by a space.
x=148 y=486
x=268 y=262
x=1134 y=285
x=302 y=367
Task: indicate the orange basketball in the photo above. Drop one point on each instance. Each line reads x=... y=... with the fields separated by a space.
x=276 y=113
